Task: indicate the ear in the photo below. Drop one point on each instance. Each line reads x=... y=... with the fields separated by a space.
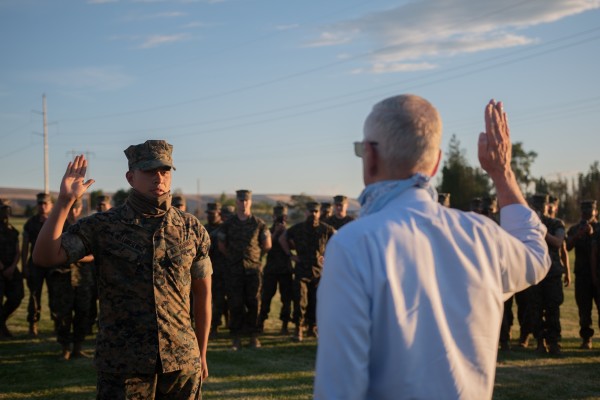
x=129 y=177
x=437 y=163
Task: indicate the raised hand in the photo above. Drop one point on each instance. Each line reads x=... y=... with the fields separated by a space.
x=73 y=185
x=495 y=148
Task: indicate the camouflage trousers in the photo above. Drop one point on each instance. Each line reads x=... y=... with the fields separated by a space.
x=286 y=291
x=507 y=320
x=11 y=289
x=243 y=299
x=585 y=296
x=526 y=310
x=71 y=306
x=305 y=301
x=35 y=283
x=176 y=385
x=219 y=299
x=548 y=296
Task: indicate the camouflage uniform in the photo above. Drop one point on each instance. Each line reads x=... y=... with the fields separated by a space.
x=278 y=272
x=147 y=254
x=585 y=293
x=243 y=241
x=219 y=300
x=11 y=288
x=37 y=274
x=309 y=241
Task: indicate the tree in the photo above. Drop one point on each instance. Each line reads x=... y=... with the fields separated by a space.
x=462 y=181
x=589 y=184
x=521 y=164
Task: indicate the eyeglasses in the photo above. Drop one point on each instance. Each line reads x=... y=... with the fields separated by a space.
x=359 y=147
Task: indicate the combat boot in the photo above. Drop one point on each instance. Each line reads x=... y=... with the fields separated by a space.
x=78 y=352
x=541 y=347
x=297 y=334
x=254 y=342
x=505 y=345
x=554 y=349
x=66 y=352
x=524 y=340
x=586 y=344
x=33 y=329
x=236 y=343
x=284 y=328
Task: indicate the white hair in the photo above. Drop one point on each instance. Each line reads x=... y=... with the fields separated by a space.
x=408 y=130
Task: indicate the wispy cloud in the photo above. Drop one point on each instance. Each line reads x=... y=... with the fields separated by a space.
x=105 y=78
x=407 y=35
x=158 y=40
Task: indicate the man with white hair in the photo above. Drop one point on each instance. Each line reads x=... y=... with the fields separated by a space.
x=410 y=302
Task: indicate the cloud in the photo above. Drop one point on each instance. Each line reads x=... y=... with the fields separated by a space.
x=416 y=31
x=388 y=67
x=106 y=78
x=158 y=40
x=195 y=24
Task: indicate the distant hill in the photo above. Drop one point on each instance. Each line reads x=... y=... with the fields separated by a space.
x=21 y=198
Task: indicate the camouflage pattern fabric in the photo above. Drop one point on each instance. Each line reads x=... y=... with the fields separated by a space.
x=145 y=269
x=310 y=244
x=583 y=250
x=219 y=292
x=243 y=240
x=337 y=223
x=177 y=385
x=11 y=289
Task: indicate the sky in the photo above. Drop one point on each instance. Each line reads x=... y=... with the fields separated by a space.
x=269 y=95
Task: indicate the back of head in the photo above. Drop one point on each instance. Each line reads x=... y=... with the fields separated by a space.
x=408 y=131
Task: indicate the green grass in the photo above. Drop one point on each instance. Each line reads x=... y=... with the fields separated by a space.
x=281 y=369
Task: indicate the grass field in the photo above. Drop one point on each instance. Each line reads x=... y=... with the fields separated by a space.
x=31 y=369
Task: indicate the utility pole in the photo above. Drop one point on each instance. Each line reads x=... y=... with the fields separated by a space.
x=46 y=162
x=198 y=197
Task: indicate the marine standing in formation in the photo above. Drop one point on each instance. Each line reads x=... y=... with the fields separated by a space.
x=149 y=256
x=219 y=263
x=33 y=273
x=72 y=293
x=278 y=272
x=243 y=239
x=340 y=215
x=580 y=238
x=308 y=240
x=11 y=281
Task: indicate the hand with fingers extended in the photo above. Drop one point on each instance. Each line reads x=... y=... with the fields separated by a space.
x=495 y=148
x=73 y=185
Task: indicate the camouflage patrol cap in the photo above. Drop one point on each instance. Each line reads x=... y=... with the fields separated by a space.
x=476 y=204
x=444 y=199
x=280 y=210
x=325 y=206
x=227 y=211
x=489 y=202
x=43 y=198
x=587 y=204
x=178 y=200
x=340 y=199
x=103 y=199
x=313 y=206
x=552 y=199
x=149 y=155
x=539 y=199
x=243 y=194
x=213 y=207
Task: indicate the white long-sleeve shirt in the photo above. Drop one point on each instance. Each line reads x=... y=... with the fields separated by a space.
x=410 y=301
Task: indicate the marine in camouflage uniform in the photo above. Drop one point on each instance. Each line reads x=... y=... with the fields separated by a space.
x=72 y=294
x=219 y=263
x=308 y=239
x=326 y=210
x=243 y=238
x=102 y=204
x=33 y=273
x=340 y=215
x=278 y=272
x=179 y=202
x=149 y=256
x=548 y=294
x=11 y=281
x=580 y=237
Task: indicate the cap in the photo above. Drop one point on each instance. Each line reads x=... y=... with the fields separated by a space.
x=43 y=198
x=489 y=202
x=280 y=210
x=243 y=194
x=227 y=210
x=213 y=207
x=552 y=199
x=150 y=155
x=103 y=199
x=313 y=206
x=539 y=199
x=325 y=206
x=476 y=204
x=588 y=204
x=178 y=200
x=340 y=199
x=444 y=199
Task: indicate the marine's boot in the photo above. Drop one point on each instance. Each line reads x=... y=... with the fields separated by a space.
x=541 y=347
x=298 y=334
x=66 y=352
x=586 y=344
x=33 y=329
x=284 y=328
x=236 y=343
x=78 y=352
x=524 y=340
x=254 y=342
x=554 y=348
x=505 y=345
